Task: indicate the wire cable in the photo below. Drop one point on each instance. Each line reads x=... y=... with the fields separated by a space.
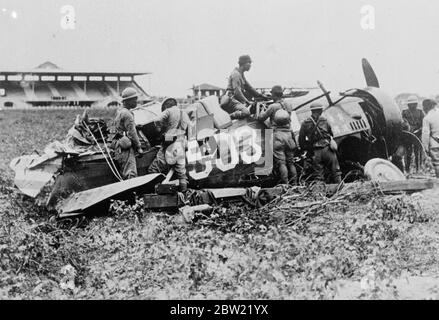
x=108 y=151
x=97 y=143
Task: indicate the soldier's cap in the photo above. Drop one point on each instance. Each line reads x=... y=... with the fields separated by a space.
x=244 y=59
x=429 y=103
x=277 y=90
x=129 y=93
x=412 y=99
x=316 y=106
x=173 y=101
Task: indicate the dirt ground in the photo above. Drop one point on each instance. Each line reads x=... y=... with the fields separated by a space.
x=303 y=246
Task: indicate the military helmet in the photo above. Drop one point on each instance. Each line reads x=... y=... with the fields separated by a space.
x=316 y=106
x=129 y=93
x=412 y=99
x=281 y=117
x=244 y=59
x=428 y=104
x=124 y=143
x=277 y=91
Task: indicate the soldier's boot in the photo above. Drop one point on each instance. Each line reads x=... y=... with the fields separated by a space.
x=293 y=174
x=240 y=114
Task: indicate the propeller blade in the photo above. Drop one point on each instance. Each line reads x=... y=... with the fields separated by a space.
x=369 y=74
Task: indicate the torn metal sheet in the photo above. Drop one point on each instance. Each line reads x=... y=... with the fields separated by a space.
x=146 y=114
x=228 y=192
x=85 y=199
x=31 y=176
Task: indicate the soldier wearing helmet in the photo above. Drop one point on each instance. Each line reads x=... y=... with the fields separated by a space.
x=239 y=91
x=284 y=144
x=413 y=118
x=126 y=140
x=173 y=124
x=315 y=137
x=430 y=132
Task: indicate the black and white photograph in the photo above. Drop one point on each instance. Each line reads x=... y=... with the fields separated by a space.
x=224 y=153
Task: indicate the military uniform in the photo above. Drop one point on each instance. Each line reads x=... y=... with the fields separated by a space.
x=173 y=123
x=414 y=120
x=125 y=157
x=284 y=144
x=430 y=137
x=315 y=136
x=234 y=102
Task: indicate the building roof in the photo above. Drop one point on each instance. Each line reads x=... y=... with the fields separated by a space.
x=47 y=65
x=206 y=86
x=51 y=68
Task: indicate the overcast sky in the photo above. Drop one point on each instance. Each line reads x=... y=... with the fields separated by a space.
x=186 y=42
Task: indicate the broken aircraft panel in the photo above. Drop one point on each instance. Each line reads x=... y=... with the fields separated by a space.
x=81 y=201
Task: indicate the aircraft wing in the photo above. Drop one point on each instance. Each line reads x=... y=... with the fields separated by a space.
x=81 y=201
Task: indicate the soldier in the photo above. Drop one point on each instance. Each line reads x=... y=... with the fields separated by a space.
x=126 y=140
x=413 y=118
x=173 y=123
x=315 y=137
x=430 y=132
x=239 y=91
x=284 y=144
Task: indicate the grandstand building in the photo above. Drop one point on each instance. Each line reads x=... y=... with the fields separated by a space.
x=49 y=85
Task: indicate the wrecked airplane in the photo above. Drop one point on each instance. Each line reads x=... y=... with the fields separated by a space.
x=80 y=173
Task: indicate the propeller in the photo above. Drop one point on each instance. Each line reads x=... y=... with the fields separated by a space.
x=369 y=74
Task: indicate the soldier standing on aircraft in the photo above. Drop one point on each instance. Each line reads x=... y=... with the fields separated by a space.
x=126 y=140
x=430 y=132
x=315 y=136
x=413 y=117
x=239 y=91
x=284 y=144
x=173 y=123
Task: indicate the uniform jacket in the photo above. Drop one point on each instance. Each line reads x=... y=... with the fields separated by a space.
x=430 y=130
x=239 y=88
x=310 y=137
x=124 y=123
x=172 y=122
x=271 y=111
x=414 y=119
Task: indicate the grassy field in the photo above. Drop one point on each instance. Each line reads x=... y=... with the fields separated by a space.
x=302 y=247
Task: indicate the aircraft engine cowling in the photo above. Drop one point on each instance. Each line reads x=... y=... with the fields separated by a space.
x=385 y=119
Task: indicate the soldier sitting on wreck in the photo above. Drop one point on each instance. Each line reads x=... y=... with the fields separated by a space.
x=126 y=141
x=173 y=123
x=239 y=91
x=284 y=144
